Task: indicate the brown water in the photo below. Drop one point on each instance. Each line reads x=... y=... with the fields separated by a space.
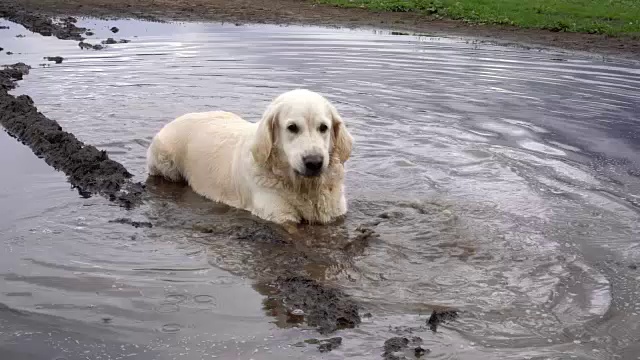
x=501 y=181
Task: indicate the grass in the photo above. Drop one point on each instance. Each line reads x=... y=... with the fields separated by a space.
x=611 y=17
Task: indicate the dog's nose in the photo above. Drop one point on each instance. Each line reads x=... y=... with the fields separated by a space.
x=313 y=163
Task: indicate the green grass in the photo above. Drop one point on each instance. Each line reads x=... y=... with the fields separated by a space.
x=612 y=17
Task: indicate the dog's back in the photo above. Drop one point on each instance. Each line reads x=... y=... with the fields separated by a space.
x=199 y=148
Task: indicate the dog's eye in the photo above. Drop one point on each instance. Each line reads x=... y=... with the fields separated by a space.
x=293 y=128
x=323 y=128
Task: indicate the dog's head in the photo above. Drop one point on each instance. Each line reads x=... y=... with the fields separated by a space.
x=304 y=129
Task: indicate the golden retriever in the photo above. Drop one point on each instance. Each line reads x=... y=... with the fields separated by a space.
x=286 y=168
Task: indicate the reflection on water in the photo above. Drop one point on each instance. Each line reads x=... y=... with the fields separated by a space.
x=498 y=181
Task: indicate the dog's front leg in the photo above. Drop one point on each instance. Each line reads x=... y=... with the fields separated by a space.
x=274 y=208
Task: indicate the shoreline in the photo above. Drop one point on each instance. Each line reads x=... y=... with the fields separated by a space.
x=306 y=12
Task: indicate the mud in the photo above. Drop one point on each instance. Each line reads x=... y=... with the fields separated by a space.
x=109 y=41
x=135 y=224
x=87 y=46
x=329 y=344
x=290 y=293
x=293 y=295
x=440 y=317
x=88 y=169
x=419 y=352
x=11 y=74
x=399 y=348
x=43 y=25
x=323 y=345
x=55 y=59
x=326 y=309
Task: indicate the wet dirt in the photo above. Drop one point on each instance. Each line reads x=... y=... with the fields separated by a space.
x=109 y=41
x=135 y=224
x=402 y=348
x=493 y=180
x=85 y=45
x=88 y=169
x=324 y=308
x=439 y=317
x=10 y=74
x=55 y=59
x=64 y=29
x=329 y=344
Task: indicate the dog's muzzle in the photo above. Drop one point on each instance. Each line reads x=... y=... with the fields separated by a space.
x=313 y=165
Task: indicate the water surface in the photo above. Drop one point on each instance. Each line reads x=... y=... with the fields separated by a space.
x=501 y=181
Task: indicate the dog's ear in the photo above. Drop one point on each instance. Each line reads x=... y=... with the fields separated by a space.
x=341 y=139
x=265 y=135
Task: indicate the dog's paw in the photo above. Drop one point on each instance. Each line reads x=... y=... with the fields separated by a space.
x=291 y=228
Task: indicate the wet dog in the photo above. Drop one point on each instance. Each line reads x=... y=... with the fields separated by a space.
x=287 y=168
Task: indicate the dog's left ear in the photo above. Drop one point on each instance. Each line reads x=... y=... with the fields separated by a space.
x=341 y=139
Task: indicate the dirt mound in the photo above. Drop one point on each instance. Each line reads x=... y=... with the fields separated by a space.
x=43 y=25
x=325 y=308
x=88 y=169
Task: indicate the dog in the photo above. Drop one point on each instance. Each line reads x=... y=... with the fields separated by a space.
x=287 y=168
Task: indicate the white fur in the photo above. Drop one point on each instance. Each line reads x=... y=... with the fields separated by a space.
x=257 y=166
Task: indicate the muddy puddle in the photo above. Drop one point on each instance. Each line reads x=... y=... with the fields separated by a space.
x=498 y=186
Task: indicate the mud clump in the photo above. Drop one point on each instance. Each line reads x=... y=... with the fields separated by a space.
x=397 y=348
x=43 y=25
x=11 y=74
x=419 y=351
x=85 y=45
x=394 y=345
x=55 y=59
x=88 y=169
x=439 y=317
x=329 y=344
x=259 y=233
x=135 y=224
x=109 y=41
x=327 y=309
x=361 y=241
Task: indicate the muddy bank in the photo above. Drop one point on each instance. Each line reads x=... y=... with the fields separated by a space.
x=88 y=169
x=64 y=29
x=310 y=13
